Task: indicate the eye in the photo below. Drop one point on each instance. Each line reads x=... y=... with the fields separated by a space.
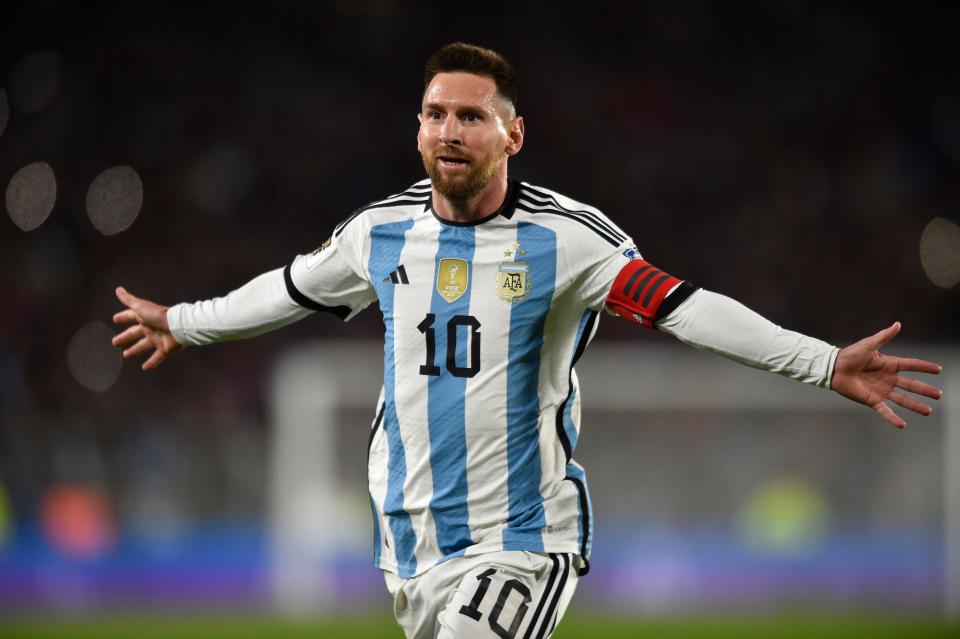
x=471 y=117
x=434 y=115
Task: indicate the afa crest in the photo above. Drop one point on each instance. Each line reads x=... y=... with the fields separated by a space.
x=513 y=278
x=513 y=281
x=452 y=278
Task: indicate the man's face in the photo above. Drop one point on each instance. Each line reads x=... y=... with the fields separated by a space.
x=463 y=137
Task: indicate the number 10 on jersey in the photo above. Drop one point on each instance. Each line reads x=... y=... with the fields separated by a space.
x=454 y=333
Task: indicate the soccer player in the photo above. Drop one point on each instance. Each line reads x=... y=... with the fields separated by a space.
x=490 y=290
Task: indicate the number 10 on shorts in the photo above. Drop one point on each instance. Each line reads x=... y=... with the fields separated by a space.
x=472 y=609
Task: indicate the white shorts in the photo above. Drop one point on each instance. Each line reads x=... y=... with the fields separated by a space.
x=508 y=594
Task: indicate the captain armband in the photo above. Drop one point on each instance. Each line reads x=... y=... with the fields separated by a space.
x=640 y=293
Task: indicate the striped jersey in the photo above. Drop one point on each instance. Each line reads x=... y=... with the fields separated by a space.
x=479 y=414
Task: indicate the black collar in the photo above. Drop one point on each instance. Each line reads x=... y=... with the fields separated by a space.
x=506 y=209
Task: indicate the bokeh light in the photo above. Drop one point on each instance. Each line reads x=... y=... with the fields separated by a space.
x=94 y=362
x=77 y=521
x=4 y=111
x=114 y=199
x=34 y=80
x=31 y=195
x=6 y=517
x=784 y=516
x=940 y=252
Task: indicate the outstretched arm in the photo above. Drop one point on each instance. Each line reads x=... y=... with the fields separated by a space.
x=865 y=375
x=715 y=323
x=718 y=324
x=262 y=304
x=329 y=280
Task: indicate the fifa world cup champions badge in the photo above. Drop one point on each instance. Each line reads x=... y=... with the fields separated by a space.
x=513 y=278
x=452 y=280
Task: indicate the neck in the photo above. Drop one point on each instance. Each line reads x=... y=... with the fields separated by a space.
x=479 y=206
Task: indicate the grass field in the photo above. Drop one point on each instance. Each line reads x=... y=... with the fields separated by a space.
x=375 y=627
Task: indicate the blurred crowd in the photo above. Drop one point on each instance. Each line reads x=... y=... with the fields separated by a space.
x=787 y=155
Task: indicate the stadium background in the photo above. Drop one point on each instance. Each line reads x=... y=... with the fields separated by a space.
x=800 y=158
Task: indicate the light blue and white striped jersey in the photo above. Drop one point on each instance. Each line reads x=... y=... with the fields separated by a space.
x=470 y=451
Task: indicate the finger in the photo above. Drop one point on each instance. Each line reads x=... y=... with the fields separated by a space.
x=918 y=387
x=877 y=340
x=127 y=316
x=123 y=294
x=917 y=365
x=910 y=404
x=139 y=348
x=153 y=361
x=889 y=415
x=129 y=336
x=128 y=299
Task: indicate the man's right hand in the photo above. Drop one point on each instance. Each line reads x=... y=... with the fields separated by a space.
x=150 y=330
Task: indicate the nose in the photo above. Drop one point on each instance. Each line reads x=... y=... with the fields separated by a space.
x=451 y=131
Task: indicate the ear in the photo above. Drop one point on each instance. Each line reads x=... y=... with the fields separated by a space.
x=419 y=129
x=515 y=136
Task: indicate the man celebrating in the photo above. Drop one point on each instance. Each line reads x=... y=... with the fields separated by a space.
x=490 y=290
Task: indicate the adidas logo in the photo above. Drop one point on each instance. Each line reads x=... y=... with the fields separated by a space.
x=399 y=276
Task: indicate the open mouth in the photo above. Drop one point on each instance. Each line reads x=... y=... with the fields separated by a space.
x=452 y=161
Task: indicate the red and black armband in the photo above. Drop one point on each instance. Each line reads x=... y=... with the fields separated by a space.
x=640 y=290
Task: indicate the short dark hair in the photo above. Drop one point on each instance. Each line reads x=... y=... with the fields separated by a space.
x=470 y=58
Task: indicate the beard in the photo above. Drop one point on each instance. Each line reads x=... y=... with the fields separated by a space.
x=461 y=188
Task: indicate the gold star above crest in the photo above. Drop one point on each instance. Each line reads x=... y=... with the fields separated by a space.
x=519 y=252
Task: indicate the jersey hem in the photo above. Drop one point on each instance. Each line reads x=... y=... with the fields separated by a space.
x=572 y=548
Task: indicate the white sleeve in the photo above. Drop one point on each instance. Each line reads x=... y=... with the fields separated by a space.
x=330 y=279
x=717 y=324
x=258 y=306
x=597 y=257
x=334 y=278
x=600 y=271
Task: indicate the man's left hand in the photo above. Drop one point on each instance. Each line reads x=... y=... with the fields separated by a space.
x=865 y=375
